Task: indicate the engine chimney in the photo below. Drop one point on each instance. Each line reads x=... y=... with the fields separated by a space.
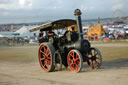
x=77 y=13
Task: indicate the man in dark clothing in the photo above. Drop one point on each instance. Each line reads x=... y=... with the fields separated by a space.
x=51 y=33
x=40 y=38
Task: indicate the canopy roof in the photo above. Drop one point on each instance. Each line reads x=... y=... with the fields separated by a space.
x=59 y=24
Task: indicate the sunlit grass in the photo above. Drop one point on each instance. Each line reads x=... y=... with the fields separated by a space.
x=19 y=54
x=113 y=53
x=30 y=54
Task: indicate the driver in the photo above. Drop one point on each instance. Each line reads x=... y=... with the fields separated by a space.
x=40 y=37
x=51 y=36
x=51 y=33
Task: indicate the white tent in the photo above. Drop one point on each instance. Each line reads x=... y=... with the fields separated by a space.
x=22 y=30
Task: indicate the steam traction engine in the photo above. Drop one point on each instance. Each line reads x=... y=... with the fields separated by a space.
x=70 y=49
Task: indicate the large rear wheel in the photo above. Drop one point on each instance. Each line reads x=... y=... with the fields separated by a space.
x=45 y=55
x=94 y=59
x=75 y=60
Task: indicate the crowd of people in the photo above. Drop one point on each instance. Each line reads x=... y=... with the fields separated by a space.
x=111 y=36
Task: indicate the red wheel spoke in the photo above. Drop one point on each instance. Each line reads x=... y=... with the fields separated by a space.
x=72 y=55
x=47 y=66
x=48 y=57
x=43 y=52
x=42 y=59
x=44 y=63
x=70 y=59
x=97 y=62
x=48 y=62
x=78 y=61
x=47 y=52
x=72 y=64
x=77 y=67
x=45 y=49
x=90 y=63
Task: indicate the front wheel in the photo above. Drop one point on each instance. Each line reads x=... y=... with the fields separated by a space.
x=75 y=60
x=94 y=58
x=45 y=55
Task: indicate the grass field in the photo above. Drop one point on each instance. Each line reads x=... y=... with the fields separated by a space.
x=19 y=54
x=114 y=53
x=30 y=53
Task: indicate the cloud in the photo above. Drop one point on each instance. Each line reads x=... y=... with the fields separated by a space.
x=5 y=1
x=56 y=9
x=15 y=4
x=118 y=5
x=6 y=13
x=25 y=3
x=7 y=4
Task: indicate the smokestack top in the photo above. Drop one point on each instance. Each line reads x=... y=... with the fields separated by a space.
x=77 y=12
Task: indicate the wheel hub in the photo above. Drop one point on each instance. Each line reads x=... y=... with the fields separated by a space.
x=93 y=57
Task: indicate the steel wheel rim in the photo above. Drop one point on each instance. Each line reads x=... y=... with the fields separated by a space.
x=45 y=57
x=74 y=61
x=94 y=58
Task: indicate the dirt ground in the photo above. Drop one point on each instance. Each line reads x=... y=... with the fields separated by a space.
x=20 y=66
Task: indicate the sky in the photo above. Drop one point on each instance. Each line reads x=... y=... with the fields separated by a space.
x=19 y=11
